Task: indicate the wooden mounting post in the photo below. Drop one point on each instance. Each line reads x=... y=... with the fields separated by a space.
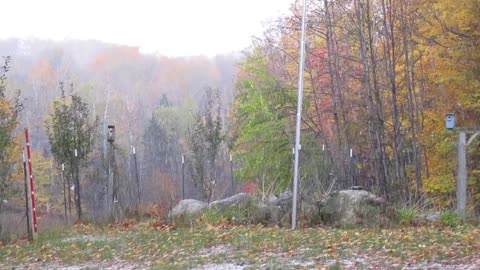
x=462 y=168
x=462 y=174
x=31 y=188
x=28 y=209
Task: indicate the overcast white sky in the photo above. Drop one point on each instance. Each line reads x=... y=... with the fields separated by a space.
x=167 y=27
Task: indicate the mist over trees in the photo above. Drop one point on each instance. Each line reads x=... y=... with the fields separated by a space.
x=151 y=100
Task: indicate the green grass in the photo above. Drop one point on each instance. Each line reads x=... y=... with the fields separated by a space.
x=450 y=218
x=184 y=247
x=407 y=216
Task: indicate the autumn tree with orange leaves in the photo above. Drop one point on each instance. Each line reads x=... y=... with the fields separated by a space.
x=380 y=76
x=9 y=113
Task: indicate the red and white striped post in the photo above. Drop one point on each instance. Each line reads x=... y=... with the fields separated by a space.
x=32 y=189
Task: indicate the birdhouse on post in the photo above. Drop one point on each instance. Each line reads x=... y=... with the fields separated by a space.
x=450 y=120
x=111 y=134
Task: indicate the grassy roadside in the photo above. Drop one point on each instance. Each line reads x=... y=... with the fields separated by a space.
x=154 y=245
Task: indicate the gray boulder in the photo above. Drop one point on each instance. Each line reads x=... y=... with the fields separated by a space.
x=428 y=217
x=278 y=211
x=353 y=207
x=344 y=208
x=240 y=199
x=188 y=207
x=267 y=214
x=283 y=199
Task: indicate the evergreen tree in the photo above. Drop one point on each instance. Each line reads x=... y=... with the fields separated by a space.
x=71 y=133
x=205 y=139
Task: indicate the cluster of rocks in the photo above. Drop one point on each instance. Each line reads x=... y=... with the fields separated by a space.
x=343 y=208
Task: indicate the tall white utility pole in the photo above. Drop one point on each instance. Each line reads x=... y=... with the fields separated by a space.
x=299 y=117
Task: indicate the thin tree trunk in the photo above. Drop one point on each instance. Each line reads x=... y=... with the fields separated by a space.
x=69 y=185
x=389 y=50
x=64 y=193
x=340 y=91
x=77 y=192
x=408 y=70
x=340 y=151
x=381 y=157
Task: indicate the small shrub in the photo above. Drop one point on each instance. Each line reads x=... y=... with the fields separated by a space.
x=233 y=214
x=327 y=212
x=407 y=216
x=212 y=216
x=372 y=212
x=154 y=211
x=450 y=218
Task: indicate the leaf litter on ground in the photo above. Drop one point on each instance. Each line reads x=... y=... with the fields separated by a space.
x=157 y=245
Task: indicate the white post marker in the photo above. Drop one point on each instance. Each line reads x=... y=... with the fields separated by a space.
x=299 y=117
x=183 y=177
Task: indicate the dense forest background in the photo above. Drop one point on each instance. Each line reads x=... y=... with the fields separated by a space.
x=151 y=100
x=380 y=77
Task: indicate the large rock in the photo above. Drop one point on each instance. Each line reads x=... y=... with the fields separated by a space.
x=353 y=207
x=268 y=214
x=278 y=211
x=283 y=199
x=240 y=200
x=188 y=207
x=344 y=208
x=428 y=217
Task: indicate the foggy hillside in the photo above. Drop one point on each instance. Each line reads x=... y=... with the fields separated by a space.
x=130 y=82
